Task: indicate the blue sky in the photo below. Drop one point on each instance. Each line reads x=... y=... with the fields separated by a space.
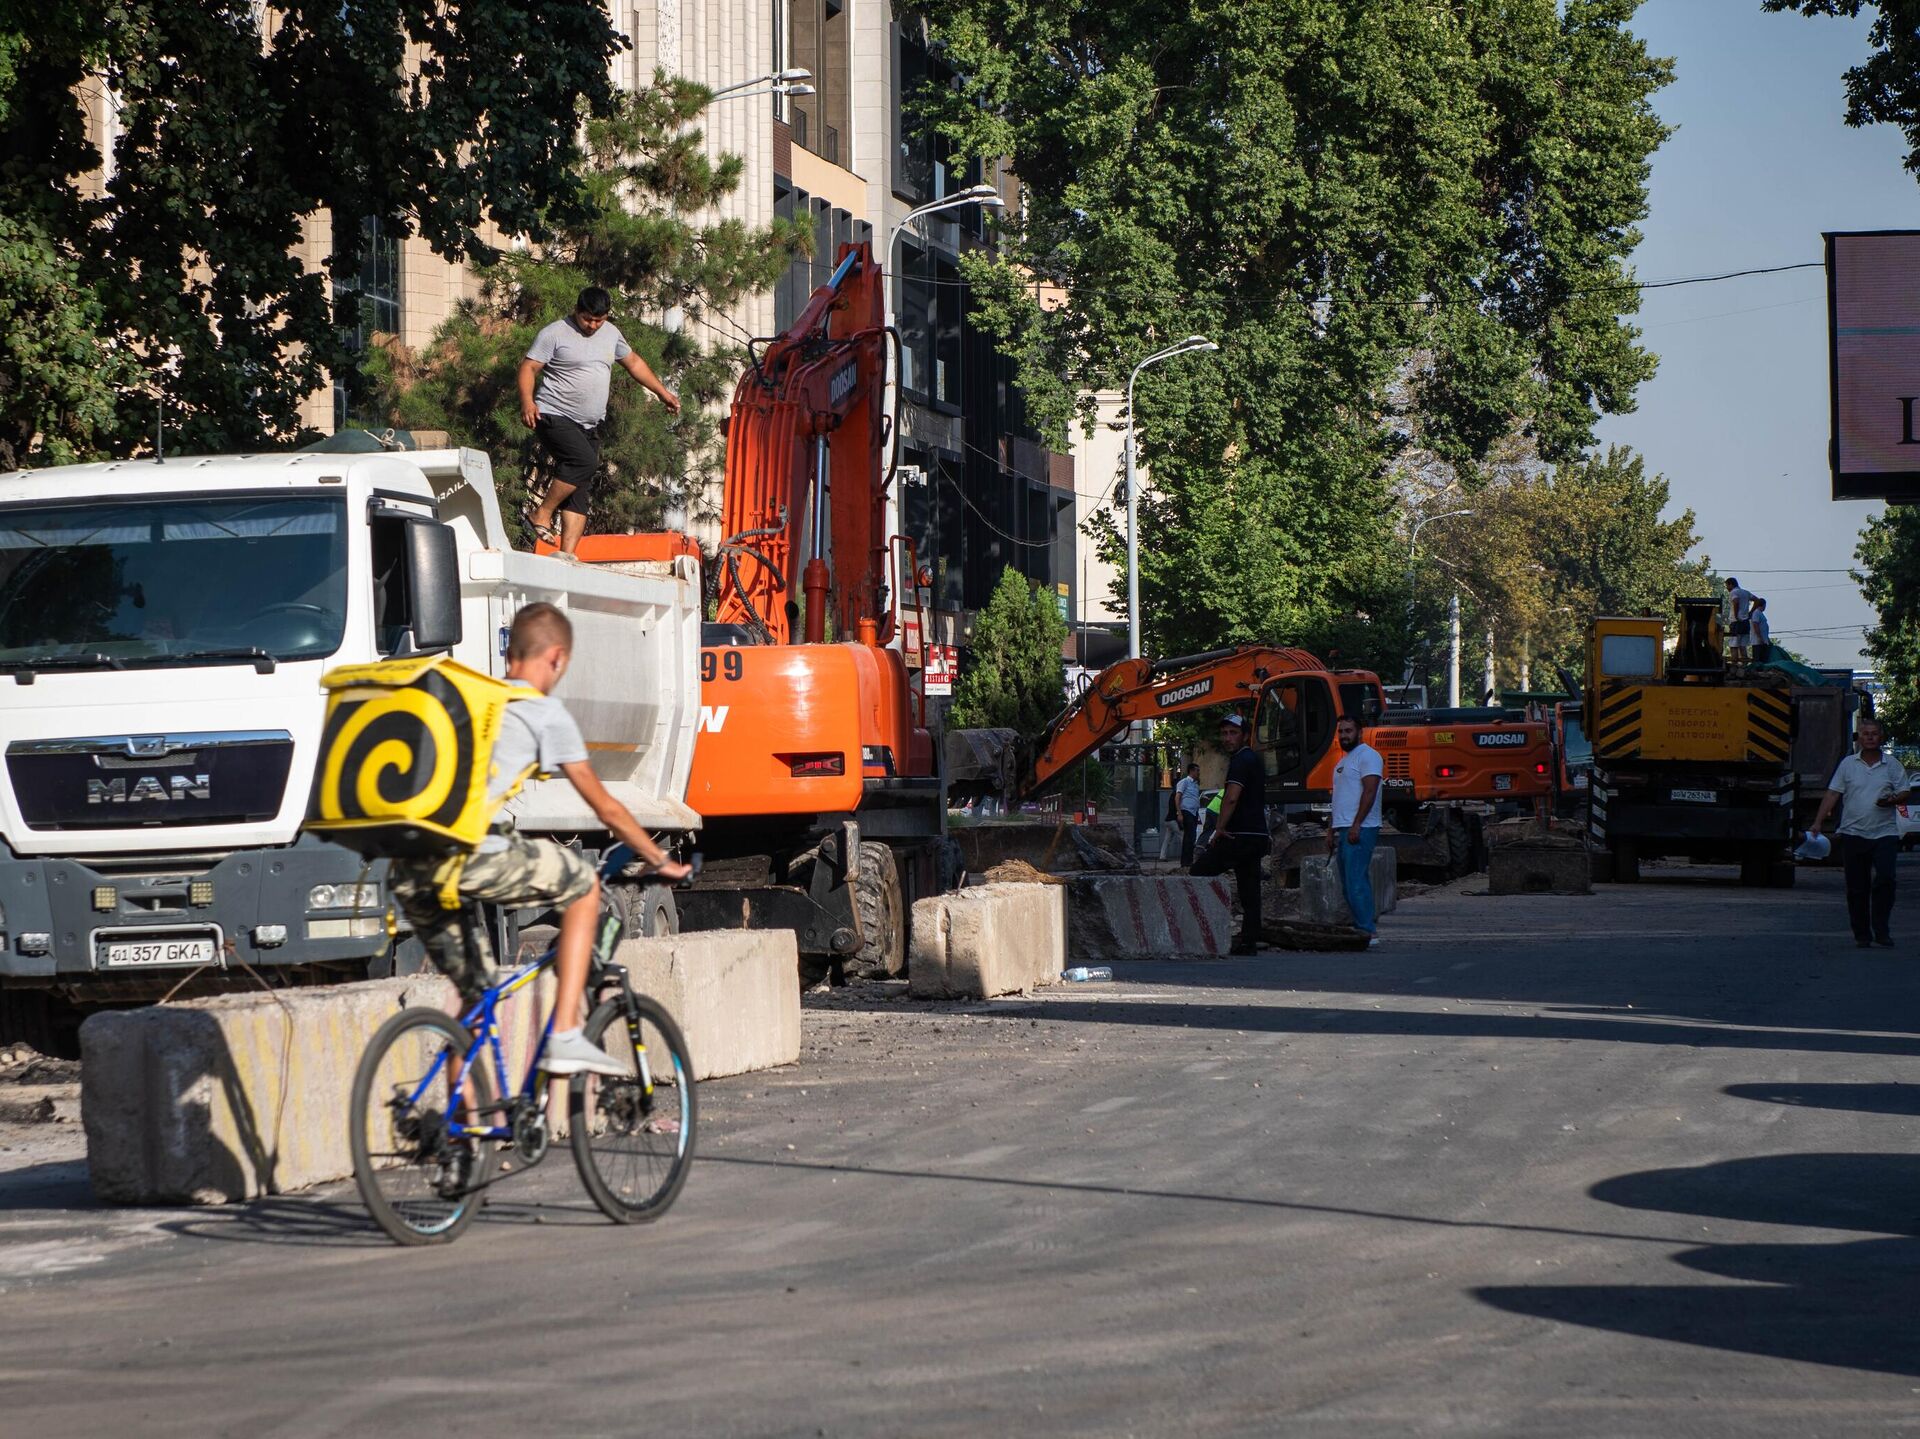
x=1737 y=417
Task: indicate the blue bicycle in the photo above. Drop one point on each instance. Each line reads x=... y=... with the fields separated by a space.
x=425 y=1122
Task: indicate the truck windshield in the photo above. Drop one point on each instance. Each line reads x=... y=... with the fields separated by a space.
x=175 y=581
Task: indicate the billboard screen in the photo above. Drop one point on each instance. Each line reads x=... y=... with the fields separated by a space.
x=1873 y=342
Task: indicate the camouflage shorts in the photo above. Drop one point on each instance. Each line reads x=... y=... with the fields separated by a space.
x=526 y=874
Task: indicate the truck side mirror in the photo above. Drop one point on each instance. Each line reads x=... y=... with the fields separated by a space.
x=433 y=584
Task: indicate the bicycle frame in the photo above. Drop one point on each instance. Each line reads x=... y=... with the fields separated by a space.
x=482 y=1021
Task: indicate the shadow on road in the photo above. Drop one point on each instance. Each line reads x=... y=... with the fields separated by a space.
x=1848 y=1304
x=1863 y=1098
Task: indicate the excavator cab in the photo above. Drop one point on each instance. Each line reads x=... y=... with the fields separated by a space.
x=1293 y=730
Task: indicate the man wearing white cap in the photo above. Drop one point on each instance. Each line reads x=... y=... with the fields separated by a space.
x=1241 y=838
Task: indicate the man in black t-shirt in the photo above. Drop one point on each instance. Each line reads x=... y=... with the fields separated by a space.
x=1241 y=839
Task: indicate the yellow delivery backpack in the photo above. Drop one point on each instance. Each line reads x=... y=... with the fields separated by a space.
x=406 y=757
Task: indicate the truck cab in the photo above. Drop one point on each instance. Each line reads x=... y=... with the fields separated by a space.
x=163 y=630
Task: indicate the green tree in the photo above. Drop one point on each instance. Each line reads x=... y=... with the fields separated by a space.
x=643 y=170
x=1884 y=89
x=1328 y=191
x=237 y=124
x=1014 y=678
x=1889 y=576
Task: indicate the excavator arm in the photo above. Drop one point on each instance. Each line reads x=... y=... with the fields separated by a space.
x=804 y=505
x=1141 y=689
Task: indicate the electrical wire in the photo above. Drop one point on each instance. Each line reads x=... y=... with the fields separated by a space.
x=980 y=515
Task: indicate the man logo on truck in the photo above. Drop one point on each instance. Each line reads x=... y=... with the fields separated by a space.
x=148 y=787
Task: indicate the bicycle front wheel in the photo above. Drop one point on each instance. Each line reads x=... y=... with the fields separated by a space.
x=421 y=1182
x=632 y=1134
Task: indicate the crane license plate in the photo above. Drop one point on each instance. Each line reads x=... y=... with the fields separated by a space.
x=1503 y=781
x=153 y=951
x=1694 y=796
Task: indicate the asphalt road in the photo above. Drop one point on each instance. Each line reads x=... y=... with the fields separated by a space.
x=1643 y=1163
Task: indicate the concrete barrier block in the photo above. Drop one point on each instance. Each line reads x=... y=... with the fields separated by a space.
x=233 y=1097
x=1522 y=869
x=987 y=940
x=1323 y=901
x=1149 y=917
x=732 y=991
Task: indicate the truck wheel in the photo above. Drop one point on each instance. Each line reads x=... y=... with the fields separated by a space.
x=647 y=911
x=1756 y=869
x=883 y=917
x=1626 y=862
x=1783 y=874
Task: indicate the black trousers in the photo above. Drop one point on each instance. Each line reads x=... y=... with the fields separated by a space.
x=576 y=456
x=1189 y=830
x=1242 y=854
x=1870 y=866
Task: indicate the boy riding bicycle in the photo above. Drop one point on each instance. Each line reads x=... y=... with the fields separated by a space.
x=516 y=871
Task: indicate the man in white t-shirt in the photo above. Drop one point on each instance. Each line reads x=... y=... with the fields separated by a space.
x=1355 y=827
x=1867 y=786
x=1739 y=604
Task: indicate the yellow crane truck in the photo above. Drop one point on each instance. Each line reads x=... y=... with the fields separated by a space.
x=1691 y=757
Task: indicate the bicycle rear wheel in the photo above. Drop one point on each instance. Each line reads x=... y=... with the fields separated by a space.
x=633 y=1135
x=421 y=1183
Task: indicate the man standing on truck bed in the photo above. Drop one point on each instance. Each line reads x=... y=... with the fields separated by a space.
x=1868 y=785
x=1241 y=840
x=572 y=362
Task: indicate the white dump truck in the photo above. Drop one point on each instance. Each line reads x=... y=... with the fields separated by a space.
x=163 y=630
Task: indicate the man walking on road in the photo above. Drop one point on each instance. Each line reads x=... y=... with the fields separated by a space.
x=1241 y=839
x=1355 y=823
x=1867 y=786
x=563 y=399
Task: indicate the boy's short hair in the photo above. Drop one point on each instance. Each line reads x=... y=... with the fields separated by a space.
x=538 y=626
x=593 y=301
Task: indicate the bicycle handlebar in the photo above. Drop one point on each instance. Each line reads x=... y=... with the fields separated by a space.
x=622 y=855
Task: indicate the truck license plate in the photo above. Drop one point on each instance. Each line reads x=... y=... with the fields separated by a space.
x=1503 y=781
x=1694 y=796
x=141 y=953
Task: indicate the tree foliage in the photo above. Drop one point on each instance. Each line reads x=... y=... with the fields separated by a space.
x=235 y=124
x=1014 y=678
x=1889 y=576
x=1885 y=88
x=1328 y=191
x=644 y=170
x=1544 y=550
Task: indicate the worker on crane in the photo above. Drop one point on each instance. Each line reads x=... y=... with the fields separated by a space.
x=1242 y=840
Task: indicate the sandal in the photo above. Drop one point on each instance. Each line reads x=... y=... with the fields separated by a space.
x=550 y=534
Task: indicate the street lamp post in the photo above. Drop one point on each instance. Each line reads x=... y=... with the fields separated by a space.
x=783 y=82
x=1193 y=344
x=973 y=195
x=1453 y=666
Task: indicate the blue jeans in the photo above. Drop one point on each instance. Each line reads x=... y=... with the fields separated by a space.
x=1356 y=876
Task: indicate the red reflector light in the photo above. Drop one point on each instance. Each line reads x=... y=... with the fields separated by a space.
x=815 y=766
x=1540 y=767
x=1448 y=771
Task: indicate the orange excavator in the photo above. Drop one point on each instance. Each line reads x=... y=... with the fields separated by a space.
x=813 y=769
x=1294 y=702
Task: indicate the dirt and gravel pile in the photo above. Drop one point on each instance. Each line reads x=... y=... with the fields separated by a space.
x=37 y=1089
x=1018 y=871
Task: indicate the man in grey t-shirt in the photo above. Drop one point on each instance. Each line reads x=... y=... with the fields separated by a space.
x=1865 y=788
x=563 y=399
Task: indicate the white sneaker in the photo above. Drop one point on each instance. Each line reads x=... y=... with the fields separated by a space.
x=576 y=1054
x=1373 y=941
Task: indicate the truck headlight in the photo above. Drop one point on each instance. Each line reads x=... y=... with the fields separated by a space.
x=267 y=936
x=35 y=943
x=344 y=896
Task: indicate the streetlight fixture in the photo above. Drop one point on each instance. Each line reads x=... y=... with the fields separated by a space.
x=783 y=82
x=1192 y=345
x=982 y=194
x=1453 y=607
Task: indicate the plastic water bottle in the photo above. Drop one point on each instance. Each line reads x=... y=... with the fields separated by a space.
x=1084 y=974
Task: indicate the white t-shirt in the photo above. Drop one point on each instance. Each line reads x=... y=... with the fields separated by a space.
x=1741 y=600
x=1188 y=793
x=1860 y=786
x=1359 y=762
x=1762 y=631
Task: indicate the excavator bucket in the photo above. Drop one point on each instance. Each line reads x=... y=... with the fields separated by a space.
x=984 y=764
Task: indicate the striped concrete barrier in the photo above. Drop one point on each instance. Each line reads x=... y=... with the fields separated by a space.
x=1148 y=917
